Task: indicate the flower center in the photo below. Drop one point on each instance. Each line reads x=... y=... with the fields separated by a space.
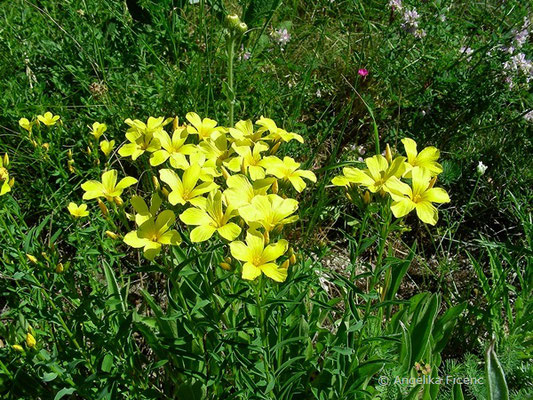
x=3 y=174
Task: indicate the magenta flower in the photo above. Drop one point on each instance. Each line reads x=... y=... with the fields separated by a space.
x=363 y=72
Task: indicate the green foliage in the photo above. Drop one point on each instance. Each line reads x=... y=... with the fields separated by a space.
x=395 y=296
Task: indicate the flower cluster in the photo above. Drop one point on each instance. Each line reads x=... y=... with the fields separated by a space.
x=282 y=36
x=410 y=18
x=221 y=182
x=387 y=176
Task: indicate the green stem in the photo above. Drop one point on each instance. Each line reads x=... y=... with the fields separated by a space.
x=231 y=93
x=260 y=301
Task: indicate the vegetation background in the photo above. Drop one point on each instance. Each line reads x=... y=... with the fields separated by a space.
x=458 y=82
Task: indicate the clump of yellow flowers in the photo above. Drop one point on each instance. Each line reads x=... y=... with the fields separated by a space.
x=223 y=183
x=407 y=180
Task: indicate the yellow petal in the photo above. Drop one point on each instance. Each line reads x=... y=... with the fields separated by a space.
x=240 y=251
x=436 y=195
x=274 y=251
x=410 y=149
x=402 y=207
x=132 y=239
x=109 y=180
x=151 y=250
x=171 y=237
x=250 y=271
x=229 y=231
x=195 y=216
x=202 y=233
x=159 y=157
x=126 y=182
x=427 y=212
x=274 y=272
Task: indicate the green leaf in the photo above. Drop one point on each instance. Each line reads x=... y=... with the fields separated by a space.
x=112 y=289
x=495 y=378
x=107 y=363
x=64 y=392
x=457 y=392
x=421 y=333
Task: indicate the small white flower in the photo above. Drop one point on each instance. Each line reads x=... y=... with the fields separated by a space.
x=318 y=93
x=529 y=116
x=481 y=168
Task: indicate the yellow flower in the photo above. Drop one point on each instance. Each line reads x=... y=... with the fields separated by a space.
x=420 y=196
x=269 y=211
x=240 y=191
x=107 y=147
x=152 y=126
x=427 y=158
x=173 y=148
x=250 y=159
x=30 y=340
x=219 y=151
x=211 y=219
x=204 y=128
x=4 y=176
x=258 y=258
x=244 y=133
x=98 y=129
x=153 y=233
x=143 y=137
x=78 y=211
x=48 y=118
x=288 y=170
x=143 y=212
x=185 y=189
x=375 y=177
x=277 y=134
x=108 y=188
x=25 y=124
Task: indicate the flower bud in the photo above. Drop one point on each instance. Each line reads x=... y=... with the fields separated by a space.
x=118 y=201
x=89 y=151
x=225 y=173
x=46 y=146
x=242 y=27
x=292 y=259
x=165 y=192
x=275 y=187
x=30 y=340
x=228 y=260
x=156 y=183
x=348 y=196
x=275 y=148
x=103 y=208
x=285 y=264
x=6 y=160
x=175 y=124
x=18 y=347
x=388 y=153
x=233 y=21
x=481 y=168
x=69 y=154
x=32 y=259
x=112 y=235
x=366 y=197
x=225 y=266
x=432 y=182
x=60 y=268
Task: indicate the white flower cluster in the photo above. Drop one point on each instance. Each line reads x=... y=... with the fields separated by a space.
x=518 y=63
x=410 y=19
